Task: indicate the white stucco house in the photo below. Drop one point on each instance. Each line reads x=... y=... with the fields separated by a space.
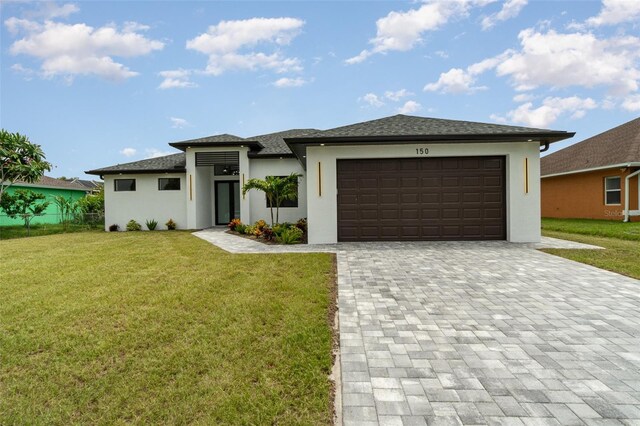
x=395 y=178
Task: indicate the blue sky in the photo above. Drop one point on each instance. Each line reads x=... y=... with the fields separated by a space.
x=107 y=82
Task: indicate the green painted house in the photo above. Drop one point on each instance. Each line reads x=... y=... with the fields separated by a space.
x=50 y=187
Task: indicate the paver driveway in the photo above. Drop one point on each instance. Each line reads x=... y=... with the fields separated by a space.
x=485 y=333
x=479 y=333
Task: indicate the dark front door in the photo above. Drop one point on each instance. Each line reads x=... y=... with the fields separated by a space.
x=452 y=198
x=227 y=201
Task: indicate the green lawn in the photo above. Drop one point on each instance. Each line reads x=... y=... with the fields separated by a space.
x=597 y=228
x=19 y=231
x=620 y=240
x=162 y=327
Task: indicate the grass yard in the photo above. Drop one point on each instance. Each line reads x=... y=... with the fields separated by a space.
x=620 y=240
x=162 y=327
x=37 y=230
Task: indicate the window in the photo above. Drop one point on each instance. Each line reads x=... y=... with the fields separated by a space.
x=286 y=203
x=169 y=184
x=612 y=190
x=124 y=185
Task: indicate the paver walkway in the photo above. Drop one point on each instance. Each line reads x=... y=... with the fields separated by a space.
x=481 y=333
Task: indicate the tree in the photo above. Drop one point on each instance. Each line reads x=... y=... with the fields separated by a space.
x=277 y=189
x=92 y=207
x=23 y=203
x=67 y=209
x=20 y=160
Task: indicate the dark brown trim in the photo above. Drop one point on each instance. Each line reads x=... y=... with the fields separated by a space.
x=550 y=137
x=253 y=145
x=270 y=155
x=132 y=172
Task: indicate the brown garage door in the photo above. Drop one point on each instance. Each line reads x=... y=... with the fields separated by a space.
x=450 y=198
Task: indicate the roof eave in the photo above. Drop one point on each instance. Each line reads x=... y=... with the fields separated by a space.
x=271 y=155
x=545 y=137
x=298 y=145
x=594 y=169
x=99 y=172
x=253 y=145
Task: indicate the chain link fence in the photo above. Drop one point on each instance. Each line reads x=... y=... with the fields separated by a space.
x=48 y=224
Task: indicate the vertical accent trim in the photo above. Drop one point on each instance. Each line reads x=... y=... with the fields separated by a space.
x=526 y=175
x=243 y=193
x=190 y=187
x=319 y=179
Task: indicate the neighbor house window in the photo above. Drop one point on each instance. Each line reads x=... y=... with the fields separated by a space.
x=612 y=190
x=169 y=184
x=124 y=185
x=287 y=203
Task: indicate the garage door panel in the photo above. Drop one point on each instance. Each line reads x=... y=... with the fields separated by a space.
x=452 y=198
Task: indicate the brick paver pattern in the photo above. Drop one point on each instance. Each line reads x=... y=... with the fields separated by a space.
x=449 y=333
x=485 y=333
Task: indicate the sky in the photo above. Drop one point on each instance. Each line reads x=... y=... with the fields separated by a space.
x=98 y=83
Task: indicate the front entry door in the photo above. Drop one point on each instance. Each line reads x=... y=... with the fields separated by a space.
x=227 y=201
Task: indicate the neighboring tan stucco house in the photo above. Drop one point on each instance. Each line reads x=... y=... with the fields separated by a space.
x=50 y=188
x=396 y=178
x=595 y=178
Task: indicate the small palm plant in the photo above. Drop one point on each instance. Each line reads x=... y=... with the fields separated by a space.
x=277 y=189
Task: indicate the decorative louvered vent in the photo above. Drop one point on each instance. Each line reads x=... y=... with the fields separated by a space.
x=226 y=158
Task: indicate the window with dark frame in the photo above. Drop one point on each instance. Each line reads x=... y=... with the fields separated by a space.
x=123 y=185
x=286 y=203
x=612 y=192
x=168 y=184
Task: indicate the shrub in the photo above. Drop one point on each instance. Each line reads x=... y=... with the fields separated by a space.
x=240 y=228
x=290 y=236
x=260 y=224
x=171 y=225
x=302 y=224
x=113 y=228
x=133 y=226
x=268 y=234
x=233 y=225
x=249 y=230
x=151 y=224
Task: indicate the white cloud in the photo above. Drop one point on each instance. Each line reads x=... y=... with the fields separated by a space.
x=409 y=107
x=550 y=110
x=510 y=9
x=575 y=59
x=176 y=79
x=289 y=82
x=154 y=153
x=442 y=54
x=226 y=44
x=68 y=50
x=631 y=103
x=498 y=118
x=401 y=31
x=51 y=10
x=397 y=95
x=557 y=60
x=372 y=99
x=615 y=12
x=179 y=123
x=455 y=80
x=128 y=152
x=523 y=97
x=28 y=73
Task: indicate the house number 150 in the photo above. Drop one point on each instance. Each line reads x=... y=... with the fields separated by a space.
x=422 y=151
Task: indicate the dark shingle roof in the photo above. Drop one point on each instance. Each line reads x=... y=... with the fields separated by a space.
x=168 y=163
x=50 y=182
x=406 y=125
x=274 y=143
x=217 y=140
x=619 y=145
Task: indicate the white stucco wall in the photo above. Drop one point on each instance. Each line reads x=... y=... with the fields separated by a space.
x=261 y=168
x=200 y=198
x=146 y=202
x=523 y=209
